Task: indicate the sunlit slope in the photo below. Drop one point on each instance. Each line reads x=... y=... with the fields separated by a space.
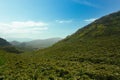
x=91 y=53
x=98 y=42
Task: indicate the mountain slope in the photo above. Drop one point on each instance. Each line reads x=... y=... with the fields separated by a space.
x=103 y=33
x=106 y=26
x=97 y=44
x=6 y=46
x=3 y=42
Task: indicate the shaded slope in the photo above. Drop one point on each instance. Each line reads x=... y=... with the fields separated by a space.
x=3 y=42
x=6 y=46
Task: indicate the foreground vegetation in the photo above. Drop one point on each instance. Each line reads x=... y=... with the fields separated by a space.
x=34 y=67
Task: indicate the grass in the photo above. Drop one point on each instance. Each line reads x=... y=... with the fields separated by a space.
x=34 y=67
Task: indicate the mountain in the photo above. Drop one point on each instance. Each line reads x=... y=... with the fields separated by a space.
x=103 y=33
x=42 y=43
x=6 y=46
x=96 y=45
x=35 y=44
x=3 y=42
x=15 y=43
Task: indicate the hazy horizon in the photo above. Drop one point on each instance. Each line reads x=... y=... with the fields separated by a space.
x=28 y=39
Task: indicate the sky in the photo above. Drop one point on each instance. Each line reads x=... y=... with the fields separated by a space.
x=25 y=20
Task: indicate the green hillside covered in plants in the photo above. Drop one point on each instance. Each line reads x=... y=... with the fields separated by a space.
x=91 y=53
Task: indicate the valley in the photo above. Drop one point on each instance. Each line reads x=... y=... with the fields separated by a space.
x=91 y=53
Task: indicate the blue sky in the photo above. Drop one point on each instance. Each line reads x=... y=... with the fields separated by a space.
x=25 y=20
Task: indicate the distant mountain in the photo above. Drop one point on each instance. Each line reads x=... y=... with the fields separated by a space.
x=36 y=44
x=15 y=43
x=97 y=44
x=42 y=43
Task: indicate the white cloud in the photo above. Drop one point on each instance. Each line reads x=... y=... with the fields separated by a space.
x=24 y=24
x=22 y=29
x=90 y=20
x=63 y=21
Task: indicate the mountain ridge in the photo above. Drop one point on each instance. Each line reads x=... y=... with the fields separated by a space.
x=36 y=44
x=6 y=46
x=4 y=42
x=97 y=38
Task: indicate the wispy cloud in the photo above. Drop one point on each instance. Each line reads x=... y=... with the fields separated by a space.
x=85 y=2
x=90 y=20
x=24 y=24
x=63 y=21
x=22 y=29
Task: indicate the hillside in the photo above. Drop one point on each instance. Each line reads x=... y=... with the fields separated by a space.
x=3 y=42
x=7 y=47
x=99 y=36
x=96 y=44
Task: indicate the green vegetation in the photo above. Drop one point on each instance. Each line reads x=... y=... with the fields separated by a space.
x=92 y=53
